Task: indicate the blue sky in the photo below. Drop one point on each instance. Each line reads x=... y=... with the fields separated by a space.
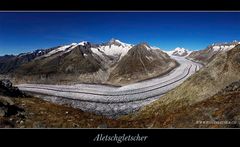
x=27 y=31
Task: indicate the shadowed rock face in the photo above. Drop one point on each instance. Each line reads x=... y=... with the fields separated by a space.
x=6 y=89
x=140 y=63
x=78 y=60
x=7 y=107
x=9 y=63
x=63 y=66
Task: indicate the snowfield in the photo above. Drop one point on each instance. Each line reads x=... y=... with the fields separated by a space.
x=223 y=48
x=114 y=101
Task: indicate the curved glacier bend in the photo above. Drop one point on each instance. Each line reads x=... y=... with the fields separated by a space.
x=113 y=101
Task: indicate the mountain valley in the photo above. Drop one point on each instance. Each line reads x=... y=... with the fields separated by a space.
x=138 y=86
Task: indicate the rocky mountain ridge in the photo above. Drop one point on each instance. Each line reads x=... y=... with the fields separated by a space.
x=85 y=62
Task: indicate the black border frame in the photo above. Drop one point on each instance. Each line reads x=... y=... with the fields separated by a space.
x=89 y=5
x=78 y=137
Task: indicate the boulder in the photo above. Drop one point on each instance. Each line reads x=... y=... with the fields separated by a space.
x=7 y=89
x=7 y=107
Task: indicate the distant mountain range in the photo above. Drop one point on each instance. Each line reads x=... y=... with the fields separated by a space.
x=113 y=62
x=85 y=62
x=208 y=54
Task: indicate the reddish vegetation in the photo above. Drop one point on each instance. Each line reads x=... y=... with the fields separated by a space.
x=224 y=106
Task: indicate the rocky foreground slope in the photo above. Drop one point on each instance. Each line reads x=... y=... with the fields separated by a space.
x=17 y=110
x=7 y=107
x=218 y=111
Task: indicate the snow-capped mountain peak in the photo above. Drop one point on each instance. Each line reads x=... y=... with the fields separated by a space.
x=155 y=47
x=65 y=48
x=118 y=43
x=115 y=47
x=179 y=49
x=82 y=43
x=74 y=43
x=59 y=49
x=178 y=52
x=114 y=41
